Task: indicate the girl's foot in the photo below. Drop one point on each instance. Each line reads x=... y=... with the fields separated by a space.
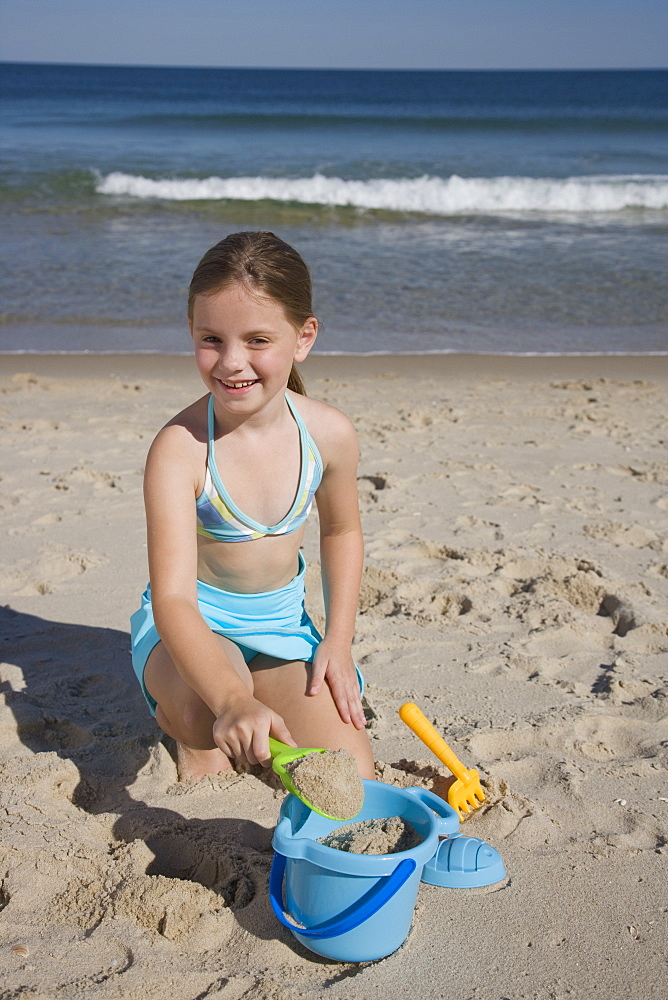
x=191 y=765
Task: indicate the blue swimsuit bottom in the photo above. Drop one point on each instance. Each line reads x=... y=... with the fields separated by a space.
x=274 y=623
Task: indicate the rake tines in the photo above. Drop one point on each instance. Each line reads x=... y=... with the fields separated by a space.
x=466 y=795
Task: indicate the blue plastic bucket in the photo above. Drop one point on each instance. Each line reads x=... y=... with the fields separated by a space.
x=353 y=907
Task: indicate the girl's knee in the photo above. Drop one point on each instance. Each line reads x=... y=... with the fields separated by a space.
x=191 y=723
x=360 y=748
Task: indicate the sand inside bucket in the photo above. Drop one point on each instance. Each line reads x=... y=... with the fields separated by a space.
x=330 y=781
x=387 y=835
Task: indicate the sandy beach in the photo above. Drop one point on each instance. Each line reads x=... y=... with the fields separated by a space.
x=515 y=513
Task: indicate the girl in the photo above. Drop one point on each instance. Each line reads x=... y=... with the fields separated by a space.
x=222 y=645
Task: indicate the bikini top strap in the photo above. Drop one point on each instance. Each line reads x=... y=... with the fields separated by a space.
x=303 y=433
x=301 y=426
x=298 y=420
x=212 y=425
x=293 y=409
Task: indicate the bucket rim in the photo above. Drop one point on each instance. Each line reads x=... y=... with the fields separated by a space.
x=306 y=848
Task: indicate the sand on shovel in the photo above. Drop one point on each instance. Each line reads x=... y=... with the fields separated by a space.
x=385 y=835
x=330 y=781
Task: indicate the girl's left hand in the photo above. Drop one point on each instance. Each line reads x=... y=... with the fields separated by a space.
x=338 y=669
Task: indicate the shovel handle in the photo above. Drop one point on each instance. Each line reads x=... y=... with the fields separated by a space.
x=276 y=747
x=423 y=729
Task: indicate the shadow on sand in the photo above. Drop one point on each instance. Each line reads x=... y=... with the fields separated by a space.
x=80 y=700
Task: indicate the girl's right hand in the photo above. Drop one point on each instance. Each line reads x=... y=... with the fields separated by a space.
x=242 y=730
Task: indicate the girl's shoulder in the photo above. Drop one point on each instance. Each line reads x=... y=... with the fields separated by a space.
x=329 y=427
x=183 y=438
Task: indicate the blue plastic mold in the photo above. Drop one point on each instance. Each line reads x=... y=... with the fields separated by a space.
x=464 y=863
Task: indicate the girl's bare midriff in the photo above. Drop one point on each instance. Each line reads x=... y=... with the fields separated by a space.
x=256 y=567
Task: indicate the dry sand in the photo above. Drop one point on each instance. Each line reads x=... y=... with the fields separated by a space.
x=516 y=522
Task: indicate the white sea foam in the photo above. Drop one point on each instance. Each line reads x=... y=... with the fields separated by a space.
x=432 y=195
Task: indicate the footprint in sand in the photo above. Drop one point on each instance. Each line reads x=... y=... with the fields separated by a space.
x=373 y=491
x=430 y=603
x=384 y=545
x=52 y=569
x=377 y=592
x=653 y=472
x=478 y=528
x=633 y=535
x=575 y=772
x=424 y=598
x=51 y=730
x=372 y=484
x=83 y=475
x=592 y=738
x=522 y=494
x=577 y=583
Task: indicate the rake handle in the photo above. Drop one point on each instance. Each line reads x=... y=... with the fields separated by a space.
x=423 y=729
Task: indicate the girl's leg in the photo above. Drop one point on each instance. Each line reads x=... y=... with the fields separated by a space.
x=312 y=721
x=182 y=714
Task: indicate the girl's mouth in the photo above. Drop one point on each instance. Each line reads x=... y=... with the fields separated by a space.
x=238 y=386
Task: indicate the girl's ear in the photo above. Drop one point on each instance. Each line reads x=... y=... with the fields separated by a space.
x=306 y=338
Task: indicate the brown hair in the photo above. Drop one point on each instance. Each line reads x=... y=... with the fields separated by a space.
x=265 y=263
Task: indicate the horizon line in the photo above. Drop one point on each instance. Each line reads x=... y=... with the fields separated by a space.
x=346 y=69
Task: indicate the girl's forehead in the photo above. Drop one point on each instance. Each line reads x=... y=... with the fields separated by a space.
x=237 y=300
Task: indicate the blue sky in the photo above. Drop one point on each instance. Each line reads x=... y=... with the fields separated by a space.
x=402 y=34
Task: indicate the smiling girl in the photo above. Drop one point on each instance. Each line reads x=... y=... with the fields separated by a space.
x=222 y=645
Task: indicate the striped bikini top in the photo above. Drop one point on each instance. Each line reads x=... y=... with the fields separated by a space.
x=218 y=516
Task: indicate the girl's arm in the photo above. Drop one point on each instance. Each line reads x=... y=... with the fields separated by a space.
x=242 y=724
x=341 y=557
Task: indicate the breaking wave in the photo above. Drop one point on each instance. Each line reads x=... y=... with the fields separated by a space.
x=431 y=195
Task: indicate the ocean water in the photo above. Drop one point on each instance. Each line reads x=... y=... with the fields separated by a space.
x=489 y=212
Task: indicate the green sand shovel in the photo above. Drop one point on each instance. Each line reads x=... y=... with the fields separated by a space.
x=282 y=754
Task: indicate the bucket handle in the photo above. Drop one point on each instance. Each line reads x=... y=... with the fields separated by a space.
x=448 y=818
x=352 y=917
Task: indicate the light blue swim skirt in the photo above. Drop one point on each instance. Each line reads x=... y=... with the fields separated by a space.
x=274 y=623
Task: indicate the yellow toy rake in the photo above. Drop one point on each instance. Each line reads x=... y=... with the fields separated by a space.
x=465 y=794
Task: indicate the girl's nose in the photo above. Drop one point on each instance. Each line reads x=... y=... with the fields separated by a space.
x=231 y=358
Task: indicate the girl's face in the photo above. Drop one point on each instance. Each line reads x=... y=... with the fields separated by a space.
x=245 y=345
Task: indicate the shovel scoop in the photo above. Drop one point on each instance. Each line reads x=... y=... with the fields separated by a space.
x=337 y=790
